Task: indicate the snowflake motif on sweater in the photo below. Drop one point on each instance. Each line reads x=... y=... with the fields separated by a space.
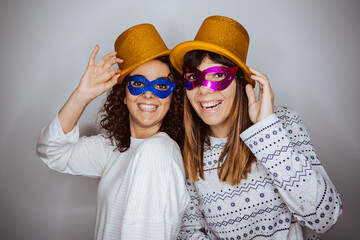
x=287 y=195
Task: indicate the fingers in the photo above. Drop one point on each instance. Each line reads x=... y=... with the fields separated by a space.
x=256 y=72
x=105 y=59
x=114 y=72
x=111 y=62
x=93 y=55
x=105 y=62
x=112 y=82
x=262 y=79
x=250 y=92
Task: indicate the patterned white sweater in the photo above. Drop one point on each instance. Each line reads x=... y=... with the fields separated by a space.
x=141 y=194
x=287 y=195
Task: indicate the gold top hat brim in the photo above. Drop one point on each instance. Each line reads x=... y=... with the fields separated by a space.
x=138 y=45
x=177 y=54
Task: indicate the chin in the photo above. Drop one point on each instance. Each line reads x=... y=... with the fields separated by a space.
x=211 y=122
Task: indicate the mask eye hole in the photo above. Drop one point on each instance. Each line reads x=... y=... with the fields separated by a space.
x=161 y=87
x=215 y=76
x=191 y=76
x=137 y=84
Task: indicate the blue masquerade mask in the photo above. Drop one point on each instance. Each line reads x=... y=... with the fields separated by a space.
x=160 y=87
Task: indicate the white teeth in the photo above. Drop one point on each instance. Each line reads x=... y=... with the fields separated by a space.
x=147 y=107
x=210 y=105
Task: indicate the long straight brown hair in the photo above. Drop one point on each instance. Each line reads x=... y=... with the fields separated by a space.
x=236 y=158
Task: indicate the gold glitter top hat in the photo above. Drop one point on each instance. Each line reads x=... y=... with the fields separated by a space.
x=221 y=35
x=137 y=45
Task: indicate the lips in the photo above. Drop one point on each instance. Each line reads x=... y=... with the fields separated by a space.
x=212 y=105
x=147 y=107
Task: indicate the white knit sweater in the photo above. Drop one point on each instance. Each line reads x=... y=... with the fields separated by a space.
x=141 y=194
x=287 y=195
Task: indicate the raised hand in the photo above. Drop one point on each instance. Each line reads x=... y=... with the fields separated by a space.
x=262 y=106
x=97 y=78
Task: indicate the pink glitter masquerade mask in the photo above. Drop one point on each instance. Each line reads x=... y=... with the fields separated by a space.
x=215 y=78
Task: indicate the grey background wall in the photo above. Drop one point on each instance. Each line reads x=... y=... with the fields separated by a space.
x=309 y=49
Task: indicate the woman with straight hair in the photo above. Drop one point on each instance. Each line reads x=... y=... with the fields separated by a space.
x=141 y=193
x=252 y=170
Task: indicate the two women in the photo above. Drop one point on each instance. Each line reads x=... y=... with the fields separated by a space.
x=141 y=193
x=253 y=172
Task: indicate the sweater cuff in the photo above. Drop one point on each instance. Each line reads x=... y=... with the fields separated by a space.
x=57 y=131
x=264 y=137
x=269 y=125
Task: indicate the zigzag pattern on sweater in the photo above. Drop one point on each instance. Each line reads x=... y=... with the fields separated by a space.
x=237 y=192
x=284 y=149
x=289 y=121
x=298 y=174
x=191 y=216
x=298 y=143
x=277 y=153
x=247 y=216
x=216 y=146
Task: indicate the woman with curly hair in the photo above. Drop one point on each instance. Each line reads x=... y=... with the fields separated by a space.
x=141 y=193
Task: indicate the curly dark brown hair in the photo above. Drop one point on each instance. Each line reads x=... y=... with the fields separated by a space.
x=115 y=114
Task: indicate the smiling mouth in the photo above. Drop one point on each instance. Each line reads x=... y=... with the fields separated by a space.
x=210 y=105
x=147 y=107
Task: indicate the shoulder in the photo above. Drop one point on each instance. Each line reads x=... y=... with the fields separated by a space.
x=158 y=148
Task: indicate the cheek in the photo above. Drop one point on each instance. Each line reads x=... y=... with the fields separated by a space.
x=229 y=93
x=166 y=102
x=129 y=98
x=127 y=93
x=191 y=95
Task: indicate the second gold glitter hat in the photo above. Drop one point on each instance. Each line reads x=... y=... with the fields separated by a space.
x=221 y=35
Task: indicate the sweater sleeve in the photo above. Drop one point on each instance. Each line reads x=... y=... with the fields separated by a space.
x=156 y=194
x=193 y=222
x=68 y=153
x=281 y=143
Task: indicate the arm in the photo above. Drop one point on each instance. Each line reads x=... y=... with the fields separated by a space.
x=156 y=195
x=59 y=145
x=282 y=145
x=67 y=153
